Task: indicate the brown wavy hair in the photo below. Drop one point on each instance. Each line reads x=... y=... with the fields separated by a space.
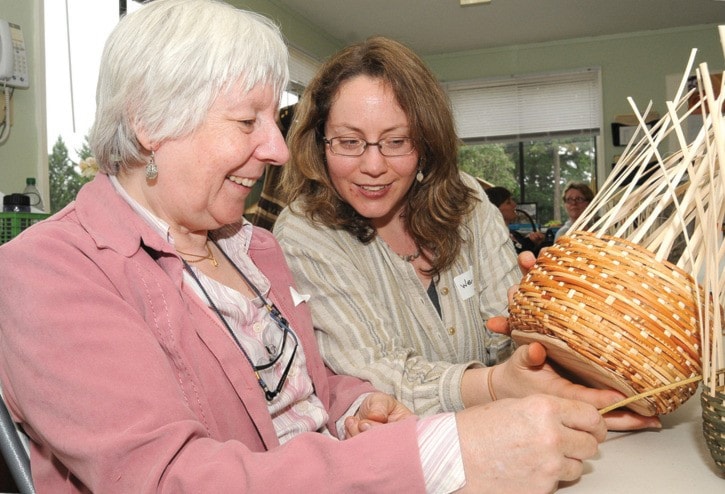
x=437 y=206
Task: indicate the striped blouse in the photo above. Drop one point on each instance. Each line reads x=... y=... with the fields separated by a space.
x=374 y=320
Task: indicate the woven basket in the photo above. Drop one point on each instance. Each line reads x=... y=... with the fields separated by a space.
x=713 y=419
x=613 y=316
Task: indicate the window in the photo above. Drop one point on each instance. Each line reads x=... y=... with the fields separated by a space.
x=302 y=67
x=535 y=105
x=531 y=134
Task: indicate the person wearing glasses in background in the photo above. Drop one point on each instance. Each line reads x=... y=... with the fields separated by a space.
x=402 y=259
x=576 y=197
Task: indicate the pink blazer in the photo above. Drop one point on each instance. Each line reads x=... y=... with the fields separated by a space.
x=126 y=382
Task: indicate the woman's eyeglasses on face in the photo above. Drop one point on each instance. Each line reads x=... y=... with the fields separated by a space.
x=575 y=200
x=354 y=146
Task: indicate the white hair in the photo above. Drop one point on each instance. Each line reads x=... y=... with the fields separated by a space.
x=164 y=65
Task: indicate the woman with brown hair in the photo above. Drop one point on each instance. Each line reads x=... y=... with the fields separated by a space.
x=407 y=261
x=402 y=256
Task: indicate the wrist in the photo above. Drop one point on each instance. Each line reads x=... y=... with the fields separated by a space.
x=489 y=383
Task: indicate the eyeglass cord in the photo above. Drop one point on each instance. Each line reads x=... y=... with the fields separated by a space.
x=269 y=395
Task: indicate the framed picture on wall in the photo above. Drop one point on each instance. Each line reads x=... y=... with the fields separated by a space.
x=625 y=126
x=622 y=134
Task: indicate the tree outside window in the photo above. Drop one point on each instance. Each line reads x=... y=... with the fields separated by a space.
x=534 y=170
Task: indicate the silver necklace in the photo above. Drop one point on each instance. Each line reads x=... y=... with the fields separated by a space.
x=410 y=257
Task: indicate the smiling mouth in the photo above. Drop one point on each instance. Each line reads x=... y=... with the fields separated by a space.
x=373 y=188
x=246 y=182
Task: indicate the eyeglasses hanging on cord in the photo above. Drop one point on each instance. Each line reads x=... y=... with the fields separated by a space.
x=276 y=316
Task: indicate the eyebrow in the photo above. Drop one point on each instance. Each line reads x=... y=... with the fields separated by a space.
x=352 y=128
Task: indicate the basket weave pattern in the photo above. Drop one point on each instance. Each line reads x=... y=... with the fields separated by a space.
x=713 y=419
x=612 y=303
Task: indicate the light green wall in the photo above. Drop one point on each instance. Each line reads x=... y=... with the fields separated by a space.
x=24 y=153
x=636 y=65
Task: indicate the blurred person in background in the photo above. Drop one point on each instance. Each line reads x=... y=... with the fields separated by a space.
x=576 y=197
x=502 y=198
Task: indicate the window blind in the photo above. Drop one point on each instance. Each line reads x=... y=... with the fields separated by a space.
x=523 y=106
x=302 y=67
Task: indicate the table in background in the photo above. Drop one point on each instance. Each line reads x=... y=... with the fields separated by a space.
x=672 y=460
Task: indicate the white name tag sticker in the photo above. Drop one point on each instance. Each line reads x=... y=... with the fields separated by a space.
x=464 y=284
x=298 y=298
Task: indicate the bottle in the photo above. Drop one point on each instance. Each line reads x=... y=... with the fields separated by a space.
x=36 y=200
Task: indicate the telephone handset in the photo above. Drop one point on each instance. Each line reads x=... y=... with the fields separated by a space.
x=13 y=58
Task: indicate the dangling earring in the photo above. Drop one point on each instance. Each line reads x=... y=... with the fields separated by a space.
x=419 y=177
x=151 y=170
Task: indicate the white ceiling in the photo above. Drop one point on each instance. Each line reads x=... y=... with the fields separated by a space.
x=442 y=26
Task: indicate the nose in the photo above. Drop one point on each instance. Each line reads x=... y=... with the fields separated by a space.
x=372 y=161
x=273 y=149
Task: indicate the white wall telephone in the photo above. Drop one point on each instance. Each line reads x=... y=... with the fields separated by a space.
x=13 y=58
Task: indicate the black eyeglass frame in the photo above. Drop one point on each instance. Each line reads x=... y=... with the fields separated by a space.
x=284 y=326
x=381 y=145
x=576 y=200
x=276 y=316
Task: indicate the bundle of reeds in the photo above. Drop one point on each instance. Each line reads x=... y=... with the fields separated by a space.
x=632 y=297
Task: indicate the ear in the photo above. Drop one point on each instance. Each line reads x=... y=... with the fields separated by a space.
x=143 y=139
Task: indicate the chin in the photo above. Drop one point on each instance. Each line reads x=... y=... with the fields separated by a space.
x=373 y=215
x=230 y=217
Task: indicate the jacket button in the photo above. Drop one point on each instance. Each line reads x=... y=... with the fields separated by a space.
x=444 y=291
x=451 y=331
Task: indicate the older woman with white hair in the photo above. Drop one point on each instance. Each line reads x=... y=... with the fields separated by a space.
x=161 y=349
x=152 y=340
